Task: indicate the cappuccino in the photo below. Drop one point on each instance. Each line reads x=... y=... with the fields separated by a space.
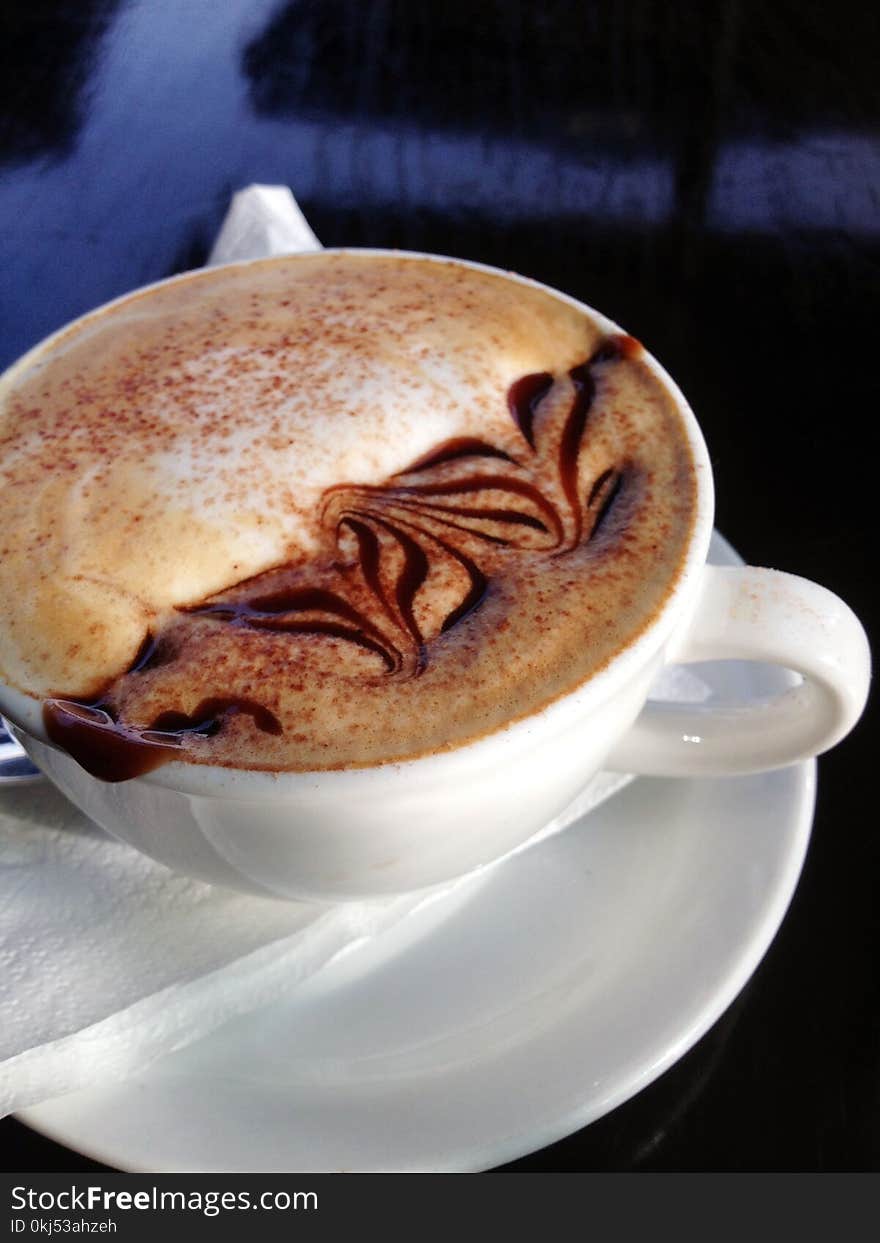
x=328 y=511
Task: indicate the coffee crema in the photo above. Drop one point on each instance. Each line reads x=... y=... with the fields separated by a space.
x=328 y=511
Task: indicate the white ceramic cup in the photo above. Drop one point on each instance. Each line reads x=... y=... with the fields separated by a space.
x=394 y=827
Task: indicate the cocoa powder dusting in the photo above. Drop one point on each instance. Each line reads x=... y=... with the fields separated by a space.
x=389 y=508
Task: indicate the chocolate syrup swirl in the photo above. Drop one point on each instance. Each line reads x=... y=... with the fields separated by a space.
x=383 y=546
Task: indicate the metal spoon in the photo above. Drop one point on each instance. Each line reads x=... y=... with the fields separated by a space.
x=15 y=767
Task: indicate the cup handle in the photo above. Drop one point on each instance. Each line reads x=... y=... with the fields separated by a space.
x=749 y=613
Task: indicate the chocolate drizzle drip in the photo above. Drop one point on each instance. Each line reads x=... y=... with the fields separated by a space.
x=146 y=654
x=383 y=546
x=618 y=345
x=523 y=399
x=603 y=494
x=293 y=612
x=115 y=751
x=572 y=437
x=452 y=450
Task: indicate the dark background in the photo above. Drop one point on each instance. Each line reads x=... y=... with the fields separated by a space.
x=706 y=174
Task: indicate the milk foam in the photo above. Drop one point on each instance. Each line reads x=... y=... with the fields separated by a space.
x=160 y=453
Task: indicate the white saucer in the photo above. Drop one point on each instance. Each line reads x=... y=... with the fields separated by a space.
x=564 y=983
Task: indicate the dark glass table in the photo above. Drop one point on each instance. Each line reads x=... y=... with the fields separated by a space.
x=709 y=176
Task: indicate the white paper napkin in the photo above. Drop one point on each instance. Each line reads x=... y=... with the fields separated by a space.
x=107 y=959
x=261 y=221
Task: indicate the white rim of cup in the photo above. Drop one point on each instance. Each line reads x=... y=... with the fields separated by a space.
x=25 y=711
